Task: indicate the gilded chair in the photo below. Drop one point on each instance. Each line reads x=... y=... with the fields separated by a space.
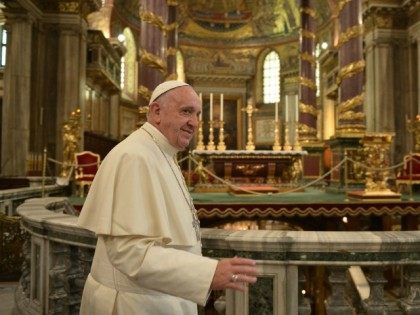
x=87 y=164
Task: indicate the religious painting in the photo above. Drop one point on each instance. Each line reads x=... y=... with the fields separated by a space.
x=264 y=130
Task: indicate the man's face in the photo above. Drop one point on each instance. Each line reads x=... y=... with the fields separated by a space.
x=176 y=115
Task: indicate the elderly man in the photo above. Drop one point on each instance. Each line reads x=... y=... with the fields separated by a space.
x=148 y=256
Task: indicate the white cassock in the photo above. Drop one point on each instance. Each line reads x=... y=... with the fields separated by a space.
x=147 y=259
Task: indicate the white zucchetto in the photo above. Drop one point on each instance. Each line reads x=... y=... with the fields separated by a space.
x=165 y=87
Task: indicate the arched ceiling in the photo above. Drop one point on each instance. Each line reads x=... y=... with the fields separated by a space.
x=236 y=21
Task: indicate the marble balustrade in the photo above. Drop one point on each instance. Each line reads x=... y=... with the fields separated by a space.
x=10 y=199
x=58 y=257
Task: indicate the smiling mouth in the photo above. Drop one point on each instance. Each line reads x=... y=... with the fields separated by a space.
x=190 y=132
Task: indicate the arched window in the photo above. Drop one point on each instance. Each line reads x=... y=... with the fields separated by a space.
x=3 y=44
x=271 y=78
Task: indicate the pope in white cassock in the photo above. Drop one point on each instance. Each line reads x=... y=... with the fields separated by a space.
x=148 y=255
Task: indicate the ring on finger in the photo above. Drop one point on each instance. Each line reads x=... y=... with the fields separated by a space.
x=234 y=278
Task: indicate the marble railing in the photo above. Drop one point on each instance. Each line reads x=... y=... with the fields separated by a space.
x=10 y=199
x=58 y=256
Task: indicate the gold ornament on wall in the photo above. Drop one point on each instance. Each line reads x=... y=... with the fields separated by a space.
x=307 y=34
x=351 y=103
x=153 y=19
x=307 y=57
x=351 y=115
x=350 y=33
x=144 y=92
x=308 y=109
x=307 y=82
x=153 y=61
x=309 y=11
x=350 y=70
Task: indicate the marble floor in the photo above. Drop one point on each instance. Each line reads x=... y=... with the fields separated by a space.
x=7 y=298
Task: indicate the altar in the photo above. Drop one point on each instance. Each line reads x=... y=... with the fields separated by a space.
x=262 y=167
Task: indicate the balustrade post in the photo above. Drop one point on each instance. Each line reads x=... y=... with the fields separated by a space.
x=304 y=307
x=376 y=304
x=81 y=260
x=411 y=303
x=338 y=303
x=58 y=272
x=25 y=279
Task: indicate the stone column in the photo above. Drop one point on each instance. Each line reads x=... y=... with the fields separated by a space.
x=71 y=75
x=387 y=102
x=307 y=97
x=153 y=65
x=17 y=92
x=351 y=119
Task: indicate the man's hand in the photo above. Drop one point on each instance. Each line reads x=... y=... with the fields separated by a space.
x=234 y=273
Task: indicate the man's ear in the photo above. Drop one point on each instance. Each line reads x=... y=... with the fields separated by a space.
x=155 y=112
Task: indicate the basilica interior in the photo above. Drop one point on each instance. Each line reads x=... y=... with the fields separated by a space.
x=310 y=126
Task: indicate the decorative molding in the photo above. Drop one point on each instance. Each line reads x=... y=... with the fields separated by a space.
x=153 y=19
x=308 y=109
x=351 y=103
x=68 y=7
x=350 y=70
x=342 y=4
x=144 y=92
x=171 y=51
x=306 y=130
x=172 y=3
x=172 y=76
x=307 y=57
x=307 y=34
x=351 y=115
x=153 y=61
x=309 y=11
x=307 y=82
x=350 y=33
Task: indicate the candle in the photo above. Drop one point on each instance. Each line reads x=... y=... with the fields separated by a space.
x=211 y=106
x=286 y=110
x=297 y=107
x=277 y=112
x=221 y=107
x=201 y=102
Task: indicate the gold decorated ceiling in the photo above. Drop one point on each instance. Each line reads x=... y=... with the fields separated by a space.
x=235 y=21
x=242 y=21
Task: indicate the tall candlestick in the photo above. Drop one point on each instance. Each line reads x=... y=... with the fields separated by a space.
x=286 y=109
x=221 y=107
x=211 y=106
x=277 y=112
x=297 y=107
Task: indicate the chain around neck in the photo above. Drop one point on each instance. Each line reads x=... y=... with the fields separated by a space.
x=188 y=199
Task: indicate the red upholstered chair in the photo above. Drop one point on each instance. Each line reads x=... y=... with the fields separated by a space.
x=87 y=164
x=411 y=165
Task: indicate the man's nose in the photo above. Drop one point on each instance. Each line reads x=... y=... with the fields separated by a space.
x=194 y=121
